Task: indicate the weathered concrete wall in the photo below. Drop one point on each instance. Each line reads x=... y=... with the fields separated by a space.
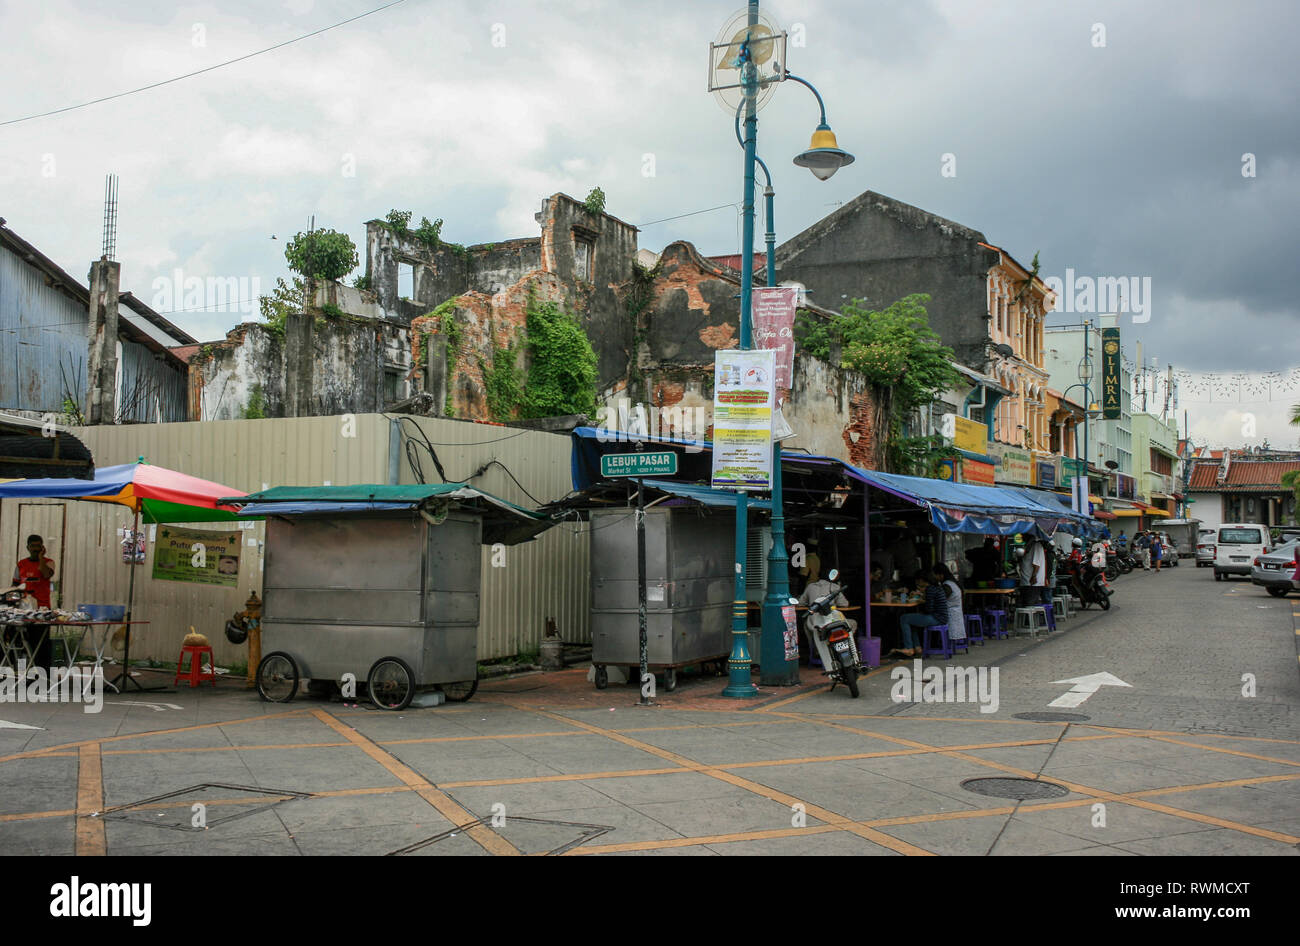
x=880 y=250
x=506 y=269
x=693 y=311
x=320 y=365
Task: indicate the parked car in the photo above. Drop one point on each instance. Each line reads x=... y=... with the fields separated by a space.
x=1285 y=534
x=1237 y=545
x=1275 y=572
x=1205 y=547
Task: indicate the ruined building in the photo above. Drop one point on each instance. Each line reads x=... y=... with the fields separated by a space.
x=653 y=326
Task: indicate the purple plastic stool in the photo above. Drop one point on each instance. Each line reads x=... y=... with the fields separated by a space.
x=975 y=629
x=997 y=624
x=939 y=633
x=1051 y=616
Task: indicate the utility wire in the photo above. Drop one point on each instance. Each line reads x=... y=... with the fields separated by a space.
x=642 y=226
x=199 y=72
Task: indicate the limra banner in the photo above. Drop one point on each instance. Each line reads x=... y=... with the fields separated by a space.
x=204 y=556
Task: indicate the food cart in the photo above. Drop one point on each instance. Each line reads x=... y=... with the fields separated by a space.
x=690 y=584
x=377 y=582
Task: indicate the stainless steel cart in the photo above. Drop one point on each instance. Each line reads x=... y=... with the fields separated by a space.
x=690 y=582
x=388 y=598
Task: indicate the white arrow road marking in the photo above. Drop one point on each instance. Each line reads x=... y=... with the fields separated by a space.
x=156 y=707
x=1085 y=687
x=5 y=724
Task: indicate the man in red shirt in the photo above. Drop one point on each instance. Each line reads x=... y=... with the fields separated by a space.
x=34 y=573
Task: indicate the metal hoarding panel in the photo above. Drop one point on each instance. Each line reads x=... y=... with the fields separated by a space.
x=523 y=586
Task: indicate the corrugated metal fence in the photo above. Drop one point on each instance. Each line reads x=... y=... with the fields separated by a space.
x=523 y=587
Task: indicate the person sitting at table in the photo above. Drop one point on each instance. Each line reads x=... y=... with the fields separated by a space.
x=34 y=573
x=933 y=611
x=952 y=596
x=878 y=583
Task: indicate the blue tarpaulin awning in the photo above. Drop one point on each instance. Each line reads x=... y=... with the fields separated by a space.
x=952 y=507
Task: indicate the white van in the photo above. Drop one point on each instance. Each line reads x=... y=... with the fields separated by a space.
x=1236 y=546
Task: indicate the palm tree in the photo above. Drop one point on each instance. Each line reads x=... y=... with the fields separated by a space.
x=1295 y=415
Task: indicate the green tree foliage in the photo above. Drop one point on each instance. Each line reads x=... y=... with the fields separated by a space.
x=904 y=363
x=562 y=365
x=595 y=202
x=322 y=254
x=283 y=301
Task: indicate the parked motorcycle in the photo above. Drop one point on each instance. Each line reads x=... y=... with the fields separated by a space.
x=1089 y=585
x=831 y=635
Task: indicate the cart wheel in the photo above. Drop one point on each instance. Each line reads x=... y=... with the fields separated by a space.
x=391 y=683
x=277 y=678
x=670 y=679
x=460 y=692
x=602 y=678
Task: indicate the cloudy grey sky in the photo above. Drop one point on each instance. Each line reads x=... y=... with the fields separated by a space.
x=1122 y=159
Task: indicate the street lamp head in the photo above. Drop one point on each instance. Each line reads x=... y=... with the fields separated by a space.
x=824 y=156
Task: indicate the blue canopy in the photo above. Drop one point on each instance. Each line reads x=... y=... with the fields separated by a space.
x=962 y=507
x=952 y=507
x=706 y=494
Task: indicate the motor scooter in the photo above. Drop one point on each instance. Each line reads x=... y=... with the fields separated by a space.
x=829 y=632
x=1088 y=583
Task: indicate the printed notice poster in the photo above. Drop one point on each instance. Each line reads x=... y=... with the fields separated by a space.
x=743 y=399
x=791 y=633
x=198 y=555
x=773 y=321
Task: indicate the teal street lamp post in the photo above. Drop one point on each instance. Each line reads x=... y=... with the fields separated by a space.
x=823 y=158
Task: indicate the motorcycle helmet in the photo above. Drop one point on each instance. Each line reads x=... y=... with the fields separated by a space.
x=236 y=633
x=1077 y=542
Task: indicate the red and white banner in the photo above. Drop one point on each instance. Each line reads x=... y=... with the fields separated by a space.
x=773 y=318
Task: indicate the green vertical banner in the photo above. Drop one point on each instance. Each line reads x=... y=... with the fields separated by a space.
x=1111 y=404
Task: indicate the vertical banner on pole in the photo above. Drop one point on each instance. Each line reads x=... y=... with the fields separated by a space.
x=743 y=400
x=773 y=319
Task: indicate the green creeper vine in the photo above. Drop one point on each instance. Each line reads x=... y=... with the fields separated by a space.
x=639 y=296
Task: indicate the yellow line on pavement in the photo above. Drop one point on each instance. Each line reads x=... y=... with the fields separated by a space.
x=487 y=839
x=1100 y=794
x=821 y=814
x=91 y=841
x=60 y=749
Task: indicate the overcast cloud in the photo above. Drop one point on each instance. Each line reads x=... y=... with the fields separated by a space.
x=1120 y=160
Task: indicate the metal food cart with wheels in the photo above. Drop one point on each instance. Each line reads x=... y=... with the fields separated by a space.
x=377 y=587
x=690 y=583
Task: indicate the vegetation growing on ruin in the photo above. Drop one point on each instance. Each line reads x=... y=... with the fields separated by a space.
x=321 y=254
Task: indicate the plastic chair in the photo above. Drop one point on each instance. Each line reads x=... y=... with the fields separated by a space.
x=975 y=629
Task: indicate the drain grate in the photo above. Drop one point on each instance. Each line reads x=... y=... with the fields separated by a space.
x=174 y=809
x=1053 y=717
x=1020 y=789
x=561 y=832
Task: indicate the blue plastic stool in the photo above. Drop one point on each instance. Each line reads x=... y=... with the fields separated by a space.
x=975 y=629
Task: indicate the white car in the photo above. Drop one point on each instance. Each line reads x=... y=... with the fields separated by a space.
x=1236 y=547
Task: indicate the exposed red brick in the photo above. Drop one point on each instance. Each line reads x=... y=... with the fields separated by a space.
x=719 y=336
x=860 y=422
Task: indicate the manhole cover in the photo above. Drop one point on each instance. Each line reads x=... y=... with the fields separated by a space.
x=218 y=802
x=1053 y=717
x=1017 y=788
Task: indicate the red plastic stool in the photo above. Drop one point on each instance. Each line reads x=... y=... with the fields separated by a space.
x=196 y=672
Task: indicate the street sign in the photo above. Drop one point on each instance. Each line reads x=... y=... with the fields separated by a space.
x=639 y=464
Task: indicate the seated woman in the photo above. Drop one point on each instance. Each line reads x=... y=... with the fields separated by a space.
x=942 y=606
x=933 y=611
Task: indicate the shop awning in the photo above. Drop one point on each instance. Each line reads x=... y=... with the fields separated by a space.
x=1126 y=513
x=961 y=507
x=502 y=522
x=1102 y=514
x=706 y=495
